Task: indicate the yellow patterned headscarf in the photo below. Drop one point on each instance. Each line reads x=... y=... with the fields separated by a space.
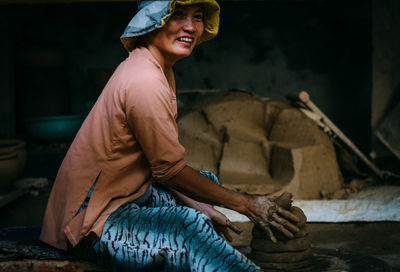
x=155 y=14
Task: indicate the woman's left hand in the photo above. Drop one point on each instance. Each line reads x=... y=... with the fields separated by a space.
x=221 y=223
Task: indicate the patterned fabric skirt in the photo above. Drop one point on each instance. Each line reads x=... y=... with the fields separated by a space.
x=157 y=233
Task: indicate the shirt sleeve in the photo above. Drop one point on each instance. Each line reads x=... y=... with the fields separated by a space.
x=150 y=115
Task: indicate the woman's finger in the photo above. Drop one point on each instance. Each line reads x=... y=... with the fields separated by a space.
x=234 y=228
x=219 y=218
x=269 y=231
x=281 y=229
x=227 y=235
x=287 y=214
x=285 y=223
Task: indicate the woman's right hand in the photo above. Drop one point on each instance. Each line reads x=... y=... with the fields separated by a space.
x=268 y=215
x=262 y=210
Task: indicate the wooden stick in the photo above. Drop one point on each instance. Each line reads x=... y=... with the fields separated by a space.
x=304 y=97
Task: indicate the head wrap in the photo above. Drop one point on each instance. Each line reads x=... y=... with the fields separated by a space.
x=152 y=15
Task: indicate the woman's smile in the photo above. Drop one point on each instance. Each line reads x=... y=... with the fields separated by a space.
x=186 y=40
x=178 y=37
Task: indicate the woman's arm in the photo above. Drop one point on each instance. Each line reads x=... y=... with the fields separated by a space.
x=261 y=210
x=193 y=184
x=221 y=223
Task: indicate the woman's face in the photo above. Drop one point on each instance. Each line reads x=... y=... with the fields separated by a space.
x=180 y=34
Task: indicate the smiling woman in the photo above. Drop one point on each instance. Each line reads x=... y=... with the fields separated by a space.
x=178 y=37
x=123 y=194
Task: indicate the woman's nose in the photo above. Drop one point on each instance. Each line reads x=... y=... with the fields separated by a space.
x=189 y=25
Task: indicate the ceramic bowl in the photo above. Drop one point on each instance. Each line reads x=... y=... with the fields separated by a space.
x=51 y=129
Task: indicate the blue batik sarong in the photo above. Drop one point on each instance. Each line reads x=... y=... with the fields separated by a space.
x=157 y=233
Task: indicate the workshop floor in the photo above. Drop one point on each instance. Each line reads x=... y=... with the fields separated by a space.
x=380 y=240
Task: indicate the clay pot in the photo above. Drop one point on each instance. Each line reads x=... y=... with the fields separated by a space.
x=9 y=146
x=53 y=129
x=9 y=170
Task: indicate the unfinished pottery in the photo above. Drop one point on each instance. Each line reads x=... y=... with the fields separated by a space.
x=300 y=215
x=286 y=253
x=282 y=257
x=284 y=200
x=260 y=234
x=297 y=244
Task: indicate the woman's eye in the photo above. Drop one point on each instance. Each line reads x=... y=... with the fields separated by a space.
x=198 y=16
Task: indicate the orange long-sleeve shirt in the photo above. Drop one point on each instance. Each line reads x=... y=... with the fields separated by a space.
x=129 y=139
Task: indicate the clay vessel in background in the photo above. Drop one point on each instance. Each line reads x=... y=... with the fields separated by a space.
x=9 y=170
x=9 y=146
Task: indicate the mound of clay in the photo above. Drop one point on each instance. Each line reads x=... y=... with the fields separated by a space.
x=260 y=234
x=292 y=245
x=283 y=257
x=288 y=254
x=300 y=214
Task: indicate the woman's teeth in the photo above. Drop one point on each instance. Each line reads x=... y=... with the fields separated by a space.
x=185 y=39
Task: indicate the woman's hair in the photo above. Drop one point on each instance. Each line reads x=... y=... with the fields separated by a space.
x=141 y=41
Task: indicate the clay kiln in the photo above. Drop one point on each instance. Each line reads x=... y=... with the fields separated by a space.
x=257 y=145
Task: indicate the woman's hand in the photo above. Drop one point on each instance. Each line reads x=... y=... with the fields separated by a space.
x=262 y=210
x=267 y=214
x=221 y=223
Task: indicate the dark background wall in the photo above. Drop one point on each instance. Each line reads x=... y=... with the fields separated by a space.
x=273 y=48
x=63 y=54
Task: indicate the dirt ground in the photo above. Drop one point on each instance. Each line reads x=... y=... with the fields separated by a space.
x=380 y=240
